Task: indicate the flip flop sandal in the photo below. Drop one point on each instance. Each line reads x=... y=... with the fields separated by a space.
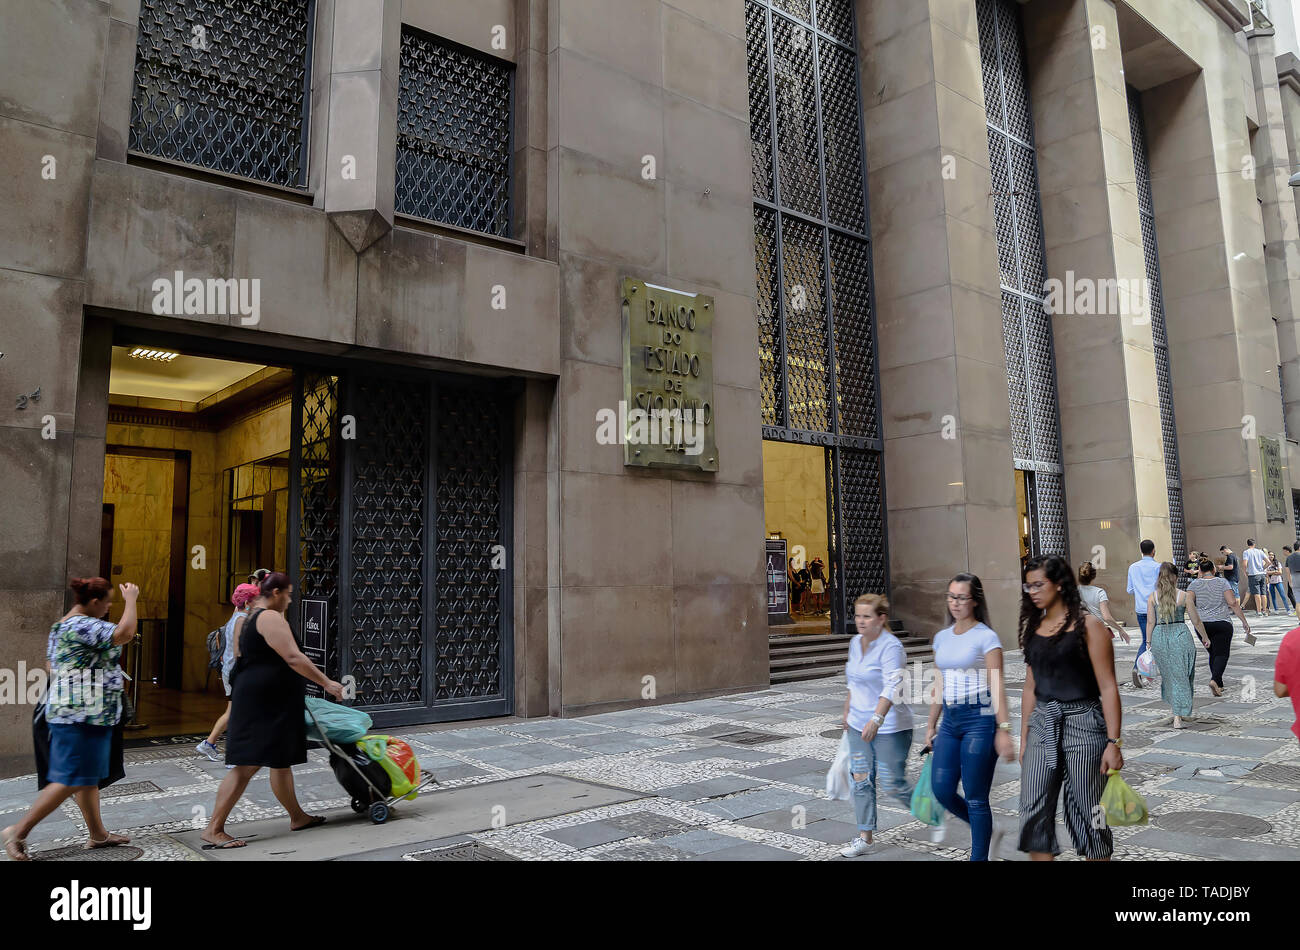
x=112 y=841
x=315 y=822
x=224 y=845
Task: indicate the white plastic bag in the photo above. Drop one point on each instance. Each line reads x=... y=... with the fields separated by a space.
x=839 y=784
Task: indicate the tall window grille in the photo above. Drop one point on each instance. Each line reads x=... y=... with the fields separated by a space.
x=1159 y=338
x=454 y=115
x=816 y=319
x=1026 y=326
x=224 y=86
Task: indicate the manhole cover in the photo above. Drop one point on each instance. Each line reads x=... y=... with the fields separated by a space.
x=465 y=852
x=152 y=752
x=1282 y=774
x=1215 y=824
x=749 y=737
x=79 y=853
x=130 y=788
x=648 y=824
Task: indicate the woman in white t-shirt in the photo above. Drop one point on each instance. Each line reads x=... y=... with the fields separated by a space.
x=1096 y=601
x=876 y=717
x=976 y=727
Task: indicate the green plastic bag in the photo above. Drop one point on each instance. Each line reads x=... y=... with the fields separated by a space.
x=1123 y=805
x=925 y=807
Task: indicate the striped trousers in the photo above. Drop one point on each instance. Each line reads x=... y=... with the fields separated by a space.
x=1066 y=743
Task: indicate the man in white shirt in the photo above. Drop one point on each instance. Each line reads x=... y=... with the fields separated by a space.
x=1255 y=562
x=1141 y=584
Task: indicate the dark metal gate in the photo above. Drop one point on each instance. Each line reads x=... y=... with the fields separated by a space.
x=1026 y=326
x=816 y=314
x=402 y=519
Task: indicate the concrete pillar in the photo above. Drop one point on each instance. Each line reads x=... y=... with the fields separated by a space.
x=949 y=475
x=1223 y=345
x=1278 y=210
x=1105 y=363
x=359 y=175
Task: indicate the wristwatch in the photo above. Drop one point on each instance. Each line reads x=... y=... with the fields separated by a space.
x=878 y=719
x=1119 y=743
x=1005 y=726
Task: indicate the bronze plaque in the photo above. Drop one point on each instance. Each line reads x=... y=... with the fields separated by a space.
x=666 y=418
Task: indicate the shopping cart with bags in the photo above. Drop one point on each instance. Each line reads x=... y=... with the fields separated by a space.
x=376 y=771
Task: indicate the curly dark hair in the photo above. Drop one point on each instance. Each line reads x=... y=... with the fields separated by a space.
x=1057 y=571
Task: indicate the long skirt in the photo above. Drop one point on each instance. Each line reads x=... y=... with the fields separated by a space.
x=1175 y=653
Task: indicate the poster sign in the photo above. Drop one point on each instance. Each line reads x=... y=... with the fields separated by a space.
x=315 y=621
x=778 y=582
x=1270 y=454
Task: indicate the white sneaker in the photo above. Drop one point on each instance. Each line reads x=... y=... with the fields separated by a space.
x=860 y=847
x=207 y=749
x=938 y=832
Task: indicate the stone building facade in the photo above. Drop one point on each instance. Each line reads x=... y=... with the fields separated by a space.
x=441 y=202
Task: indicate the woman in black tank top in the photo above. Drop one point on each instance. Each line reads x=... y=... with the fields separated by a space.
x=1070 y=713
x=267 y=726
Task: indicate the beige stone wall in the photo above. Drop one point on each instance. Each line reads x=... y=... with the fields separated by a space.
x=794 y=497
x=661 y=574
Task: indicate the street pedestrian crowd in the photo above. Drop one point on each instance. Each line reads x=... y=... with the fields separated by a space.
x=1071 y=718
x=78 y=734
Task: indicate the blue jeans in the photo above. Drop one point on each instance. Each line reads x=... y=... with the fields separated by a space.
x=1276 y=593
x=964 y=750
x=1142 y=625
x=889 y=752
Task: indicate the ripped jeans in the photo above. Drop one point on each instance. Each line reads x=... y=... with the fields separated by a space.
x=889 y=752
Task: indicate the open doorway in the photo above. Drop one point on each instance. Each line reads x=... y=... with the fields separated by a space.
x=196 y=496
x=796 y=510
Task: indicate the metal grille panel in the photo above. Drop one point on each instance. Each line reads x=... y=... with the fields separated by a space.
x=1049 y=499
x=318 y=530
x=1159 y=337
x=223 y=85
x=453 y=135
x=842 y=145
x=816 y=319
x=760 y=100
x=862 y=543
x=470 y=524
x=770 y=361
x=1026 y=327
x=387 y=546
x=806 y=332
x=855 y=356
x=796 y=116
x=836 y=18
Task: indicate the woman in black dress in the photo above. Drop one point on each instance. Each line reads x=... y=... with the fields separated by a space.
x=267 y=728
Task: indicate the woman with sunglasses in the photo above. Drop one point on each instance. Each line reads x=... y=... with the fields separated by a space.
x=1069 y=713
x=976 y=727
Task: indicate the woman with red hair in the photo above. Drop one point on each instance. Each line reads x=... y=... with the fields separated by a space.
x=244 y=596
x=82 y=706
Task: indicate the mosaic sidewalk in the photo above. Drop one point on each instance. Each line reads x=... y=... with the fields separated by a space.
x=740 y=777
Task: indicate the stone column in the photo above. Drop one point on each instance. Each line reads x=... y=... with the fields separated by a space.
x=949 y=476
x=1105 y=361
x=1278 y=210
x=53 y=54
x=1223 y=344
x=359 y=176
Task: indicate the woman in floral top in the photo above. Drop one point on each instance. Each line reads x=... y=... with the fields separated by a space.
x=84 y=701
